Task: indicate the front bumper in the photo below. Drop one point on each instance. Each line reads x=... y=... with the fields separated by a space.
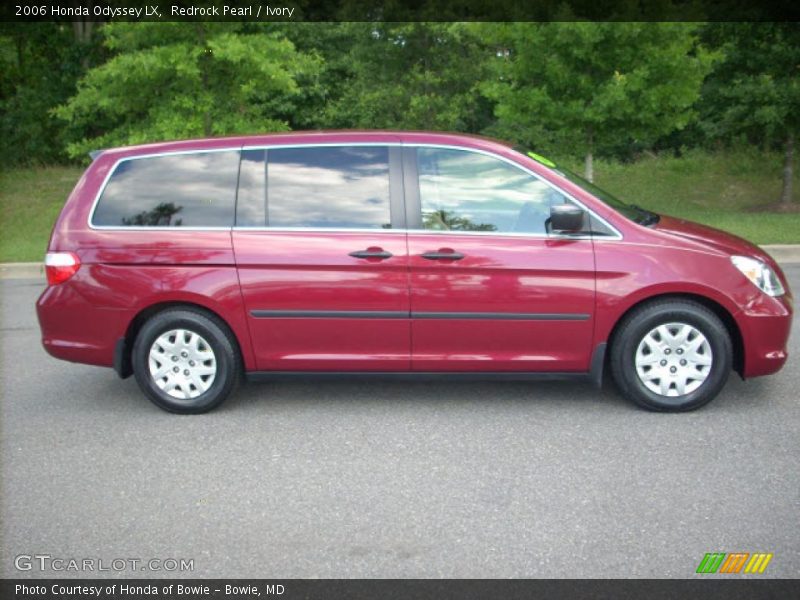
x=765 y=325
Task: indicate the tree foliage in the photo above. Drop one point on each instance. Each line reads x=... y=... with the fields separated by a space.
x=178 y=80
x=755 y=91
x=413 y=76
x=39 y=65
x=591 y=86
x=573 y=88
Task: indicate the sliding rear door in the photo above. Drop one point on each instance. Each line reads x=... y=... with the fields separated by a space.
x=322 y=258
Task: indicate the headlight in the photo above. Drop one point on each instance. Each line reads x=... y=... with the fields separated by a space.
x=760 y=274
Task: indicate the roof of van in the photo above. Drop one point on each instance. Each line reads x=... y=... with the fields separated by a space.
x=314 y=137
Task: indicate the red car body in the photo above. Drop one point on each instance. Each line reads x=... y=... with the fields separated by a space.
x=315 y=293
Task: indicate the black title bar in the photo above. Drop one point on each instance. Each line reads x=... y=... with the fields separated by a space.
x=398 y=10
x=709 y=588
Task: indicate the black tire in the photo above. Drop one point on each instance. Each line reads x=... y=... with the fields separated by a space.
x=214 y=333
x=644 y=319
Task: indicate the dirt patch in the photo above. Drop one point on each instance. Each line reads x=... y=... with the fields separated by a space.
x=775 y=207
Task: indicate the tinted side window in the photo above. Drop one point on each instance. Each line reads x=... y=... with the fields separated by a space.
x=466 y=191
x=341 y=186
x=179 y=190
x=251 y=202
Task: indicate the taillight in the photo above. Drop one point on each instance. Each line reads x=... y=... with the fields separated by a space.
x=60 y=266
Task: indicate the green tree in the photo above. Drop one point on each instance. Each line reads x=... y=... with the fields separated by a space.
x=40 y=64
x=754 y=93
x=178 y=80
x=410 y=76
x=332 y=42
x=590 y=86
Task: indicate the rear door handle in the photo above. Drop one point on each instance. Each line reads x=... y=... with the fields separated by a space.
x=372 y=253
x=442 y=255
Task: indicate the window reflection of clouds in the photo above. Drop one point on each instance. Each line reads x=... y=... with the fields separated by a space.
x=251 y=203
x=480 y=189
x=328 y=187
x=202 y=185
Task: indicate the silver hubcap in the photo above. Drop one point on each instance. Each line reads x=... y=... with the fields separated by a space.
x=182 y=364
x=674 y=359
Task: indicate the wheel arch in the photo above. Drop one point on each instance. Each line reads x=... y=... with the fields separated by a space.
x=718 y=309
x=123 y=363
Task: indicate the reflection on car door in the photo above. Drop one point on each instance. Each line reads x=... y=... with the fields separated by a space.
x=490 y=290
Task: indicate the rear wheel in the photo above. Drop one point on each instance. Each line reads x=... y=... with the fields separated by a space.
x=186 y=361
x=671 y=355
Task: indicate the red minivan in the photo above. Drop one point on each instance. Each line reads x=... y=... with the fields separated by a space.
x=193 y=264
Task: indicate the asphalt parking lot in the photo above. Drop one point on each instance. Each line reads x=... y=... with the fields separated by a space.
x=373 y=479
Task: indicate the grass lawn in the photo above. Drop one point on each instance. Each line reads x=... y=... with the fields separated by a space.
x=730 y=191
x=724 y=190
x=30 y=200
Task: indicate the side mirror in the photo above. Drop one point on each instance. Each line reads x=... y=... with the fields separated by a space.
x=566 y=218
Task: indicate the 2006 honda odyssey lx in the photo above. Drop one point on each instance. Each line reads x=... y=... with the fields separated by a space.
x=189 y=264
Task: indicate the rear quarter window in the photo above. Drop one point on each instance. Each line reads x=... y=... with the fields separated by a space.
x=195 y=189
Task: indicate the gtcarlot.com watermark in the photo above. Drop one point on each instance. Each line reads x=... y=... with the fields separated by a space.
x=56 y=564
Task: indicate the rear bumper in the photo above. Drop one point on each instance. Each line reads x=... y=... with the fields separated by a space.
x=765 y=326
x=75 y=330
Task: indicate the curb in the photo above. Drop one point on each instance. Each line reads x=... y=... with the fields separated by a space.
x=783 y=253
x=22 y=270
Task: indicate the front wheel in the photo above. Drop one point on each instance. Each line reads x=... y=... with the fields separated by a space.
x=186 y=361
x=671 y=355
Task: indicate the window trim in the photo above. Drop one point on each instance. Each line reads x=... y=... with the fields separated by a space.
x=403 y=194
x=119 y=161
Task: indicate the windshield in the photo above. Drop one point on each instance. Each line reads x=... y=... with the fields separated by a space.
x=634 y=213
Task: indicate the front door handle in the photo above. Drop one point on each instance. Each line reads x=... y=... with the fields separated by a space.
x=443 y=254
x=372 y=252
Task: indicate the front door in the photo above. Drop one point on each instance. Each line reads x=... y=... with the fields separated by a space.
x=490 y=289
x=322 y=258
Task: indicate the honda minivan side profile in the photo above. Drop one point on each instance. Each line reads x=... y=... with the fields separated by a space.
x=192 y=265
